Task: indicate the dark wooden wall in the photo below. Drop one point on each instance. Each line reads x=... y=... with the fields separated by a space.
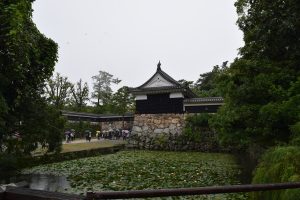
x=202 y=109
x=159 y=103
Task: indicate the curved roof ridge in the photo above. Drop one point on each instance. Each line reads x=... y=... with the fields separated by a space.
x=164 y=75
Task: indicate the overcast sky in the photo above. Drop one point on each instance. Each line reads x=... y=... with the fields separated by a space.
x=127 y=38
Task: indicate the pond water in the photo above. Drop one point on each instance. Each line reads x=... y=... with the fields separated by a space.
x=129 y=170
x=40 y=182
x=48 y=182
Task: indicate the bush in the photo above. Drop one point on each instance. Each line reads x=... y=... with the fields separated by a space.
x=8 y=162
x=196 y=126
x=197 y=131
x=280 y=164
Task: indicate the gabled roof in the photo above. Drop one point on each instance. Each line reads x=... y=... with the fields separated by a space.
x=170 y=85
x=164 y=75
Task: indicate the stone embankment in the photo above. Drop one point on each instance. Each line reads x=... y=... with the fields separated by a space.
x=165 y=132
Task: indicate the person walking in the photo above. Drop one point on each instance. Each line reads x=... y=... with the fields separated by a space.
x=98 y=134
x=86 y=132
x=67 y=135
x=90 y=136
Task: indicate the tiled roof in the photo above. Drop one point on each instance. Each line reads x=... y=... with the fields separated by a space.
x=177 y=87
x=205 y=100
x=138 y=89
x=94 y=116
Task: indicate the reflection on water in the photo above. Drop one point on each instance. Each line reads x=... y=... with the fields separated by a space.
x=248 y=165
x=40 y=182
x=48 y=182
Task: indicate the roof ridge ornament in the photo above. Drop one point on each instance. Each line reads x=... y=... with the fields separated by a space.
x=158 y=66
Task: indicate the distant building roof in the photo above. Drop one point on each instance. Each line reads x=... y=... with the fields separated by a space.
x=162 y=74
x=95 y=117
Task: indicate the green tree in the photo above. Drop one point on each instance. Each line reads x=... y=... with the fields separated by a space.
x=258 y=86
x=102 y=91
x=195 y=126
x=58 y=90
x=271 y=31
x=80 y=95
x=123 y=101
x=27 y=59
x=186 y=83
x=207 y=84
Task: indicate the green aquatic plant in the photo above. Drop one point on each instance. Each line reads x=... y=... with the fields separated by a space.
x=138 y=170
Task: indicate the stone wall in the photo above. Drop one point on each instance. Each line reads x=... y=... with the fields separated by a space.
x=165 y=132
x=156 y=131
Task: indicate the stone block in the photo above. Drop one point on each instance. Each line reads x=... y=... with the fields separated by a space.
x=172 y=126
x=145 y=128
x=161 y=126
x=157 y=121
x=158 y=130
x=137 y=129
x=175 y=121
x=166 y=130
x=173 y=131
x=167 y=122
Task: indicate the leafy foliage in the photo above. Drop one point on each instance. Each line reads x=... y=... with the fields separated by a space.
x=58 y=91
x=129 y=170
x=80 y=95
x=197 y=129
x=123 y=101
x=261 y=99
x=186 y=83
x=207 y=84
x=27 y=60
x=43 y=126
x=102 y=87
x=281 y=164
x=271 y=31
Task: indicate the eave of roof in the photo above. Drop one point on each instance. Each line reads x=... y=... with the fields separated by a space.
x=204 y=100
x=166 y=89
x=94 y=116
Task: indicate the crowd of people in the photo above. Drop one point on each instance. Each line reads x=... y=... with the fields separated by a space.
x=70 y=135
x=112 y=134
